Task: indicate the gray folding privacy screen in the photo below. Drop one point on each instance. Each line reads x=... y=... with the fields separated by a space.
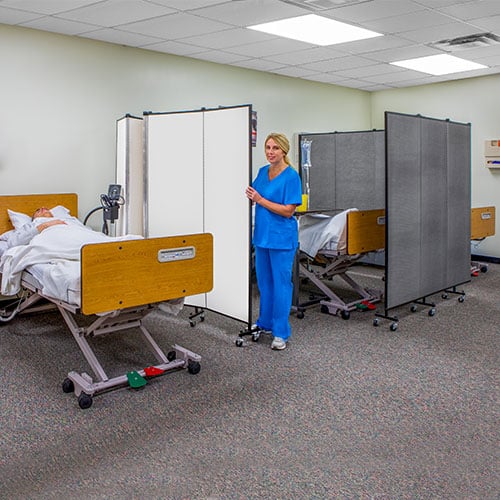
x=418 y=169
x=344 y=170
x=427 y=206
x=196 y=167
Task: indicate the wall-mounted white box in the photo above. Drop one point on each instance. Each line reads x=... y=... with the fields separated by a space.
x=492 y=153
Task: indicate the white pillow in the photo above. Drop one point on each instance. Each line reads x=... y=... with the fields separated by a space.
x=60 y=212
x=18 y=219
x=3 y=246
x=5 y=236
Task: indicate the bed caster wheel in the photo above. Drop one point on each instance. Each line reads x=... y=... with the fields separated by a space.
x=255 y=337
x=300 y=315
x=376 y=322
x=324 y=309
x=193 y=367
x=461 y=298
x=239 y=342
x=345 y=314
x=84 y=401
x=68 y=386
x=413 y=308
x=483 y=269
x=393 y=327
x=191 y=323
x=171 y=355
x=432 y=311
x=444 y=295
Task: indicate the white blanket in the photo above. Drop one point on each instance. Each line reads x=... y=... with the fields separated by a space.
x=59 y=246
x=319 y=230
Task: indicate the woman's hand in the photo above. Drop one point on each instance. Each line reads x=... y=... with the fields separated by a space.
x=252 y=194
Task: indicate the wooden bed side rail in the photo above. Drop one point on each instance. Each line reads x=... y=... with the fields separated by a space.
x=365 y=231
x=28 y=203
x=131 y=273
x=482 y=222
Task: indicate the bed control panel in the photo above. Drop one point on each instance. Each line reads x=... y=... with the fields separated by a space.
x=175 y=254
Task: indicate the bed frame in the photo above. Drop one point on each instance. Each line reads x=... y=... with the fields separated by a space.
x=482 y=225
x=364 y=232
x=121 y=282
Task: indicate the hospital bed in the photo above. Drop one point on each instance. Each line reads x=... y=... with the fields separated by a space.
x=329 y=246
x=119 y=284
x=482 y=225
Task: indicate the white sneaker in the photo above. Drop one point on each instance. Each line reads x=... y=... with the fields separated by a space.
x=258 y=329
x=278 y=344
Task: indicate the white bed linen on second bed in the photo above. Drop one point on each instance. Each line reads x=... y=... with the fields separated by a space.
x=54 y=257
x=320 y=231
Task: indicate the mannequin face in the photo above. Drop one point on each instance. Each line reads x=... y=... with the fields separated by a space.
x=42 y=212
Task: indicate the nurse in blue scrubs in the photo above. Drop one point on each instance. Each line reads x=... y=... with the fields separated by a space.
x=276 y=192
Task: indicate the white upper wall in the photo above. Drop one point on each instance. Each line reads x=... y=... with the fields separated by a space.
x=474 y=101
x=61 y=96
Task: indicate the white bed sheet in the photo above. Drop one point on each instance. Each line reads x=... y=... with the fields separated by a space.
x=318 y=231
x=54 y=257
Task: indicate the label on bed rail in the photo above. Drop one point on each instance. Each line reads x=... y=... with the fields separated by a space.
x=486 y=215
x=381 y=220
x=173 y=254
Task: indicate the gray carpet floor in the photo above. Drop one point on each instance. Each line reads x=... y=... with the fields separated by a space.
x=347 y=411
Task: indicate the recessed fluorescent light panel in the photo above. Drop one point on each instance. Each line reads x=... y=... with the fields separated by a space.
x=315 y=29
x=441 y=64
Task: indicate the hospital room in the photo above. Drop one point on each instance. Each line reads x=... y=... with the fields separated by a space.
x=140 y=350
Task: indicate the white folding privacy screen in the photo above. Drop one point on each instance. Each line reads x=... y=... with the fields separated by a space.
x=129 y=174
x=197 y=165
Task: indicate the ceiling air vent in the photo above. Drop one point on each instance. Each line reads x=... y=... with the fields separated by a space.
x=467 y=42
x=317 y=5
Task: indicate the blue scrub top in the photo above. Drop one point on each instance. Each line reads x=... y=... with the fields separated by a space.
x=272 y=230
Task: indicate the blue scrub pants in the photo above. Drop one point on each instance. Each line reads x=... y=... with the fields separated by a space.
x=274 y=278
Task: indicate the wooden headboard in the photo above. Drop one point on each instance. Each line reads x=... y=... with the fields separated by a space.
x=482 y=222
x=365 y=231
x=28 y=203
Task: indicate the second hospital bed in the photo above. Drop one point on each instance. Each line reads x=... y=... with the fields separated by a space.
x=329 y=246
x=119 y=284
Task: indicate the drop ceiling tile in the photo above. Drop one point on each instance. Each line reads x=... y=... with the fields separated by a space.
x=406 y=22
x=338 y=64
x=491 y=23
x=438 y=4
x=12 y=16
x=115 y=12
x=295 y=71
x=403 y=53
x=372 y=70
x=175 y=26
x=473 y=10
x=368 y=11
x=56 y=25
x=396 y=77
x=373 y=44
x=185 y=5
x=46 y=6
x=269 y=47
x=176 y=48
x=220 y=57
x=112 y=35
x=259 y=64
x=228 y=38
x=250 y=12
x=327 y=78
x=306 y=56
x=442 y=32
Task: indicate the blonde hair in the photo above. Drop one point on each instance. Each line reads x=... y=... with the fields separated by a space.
x=282 y=142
